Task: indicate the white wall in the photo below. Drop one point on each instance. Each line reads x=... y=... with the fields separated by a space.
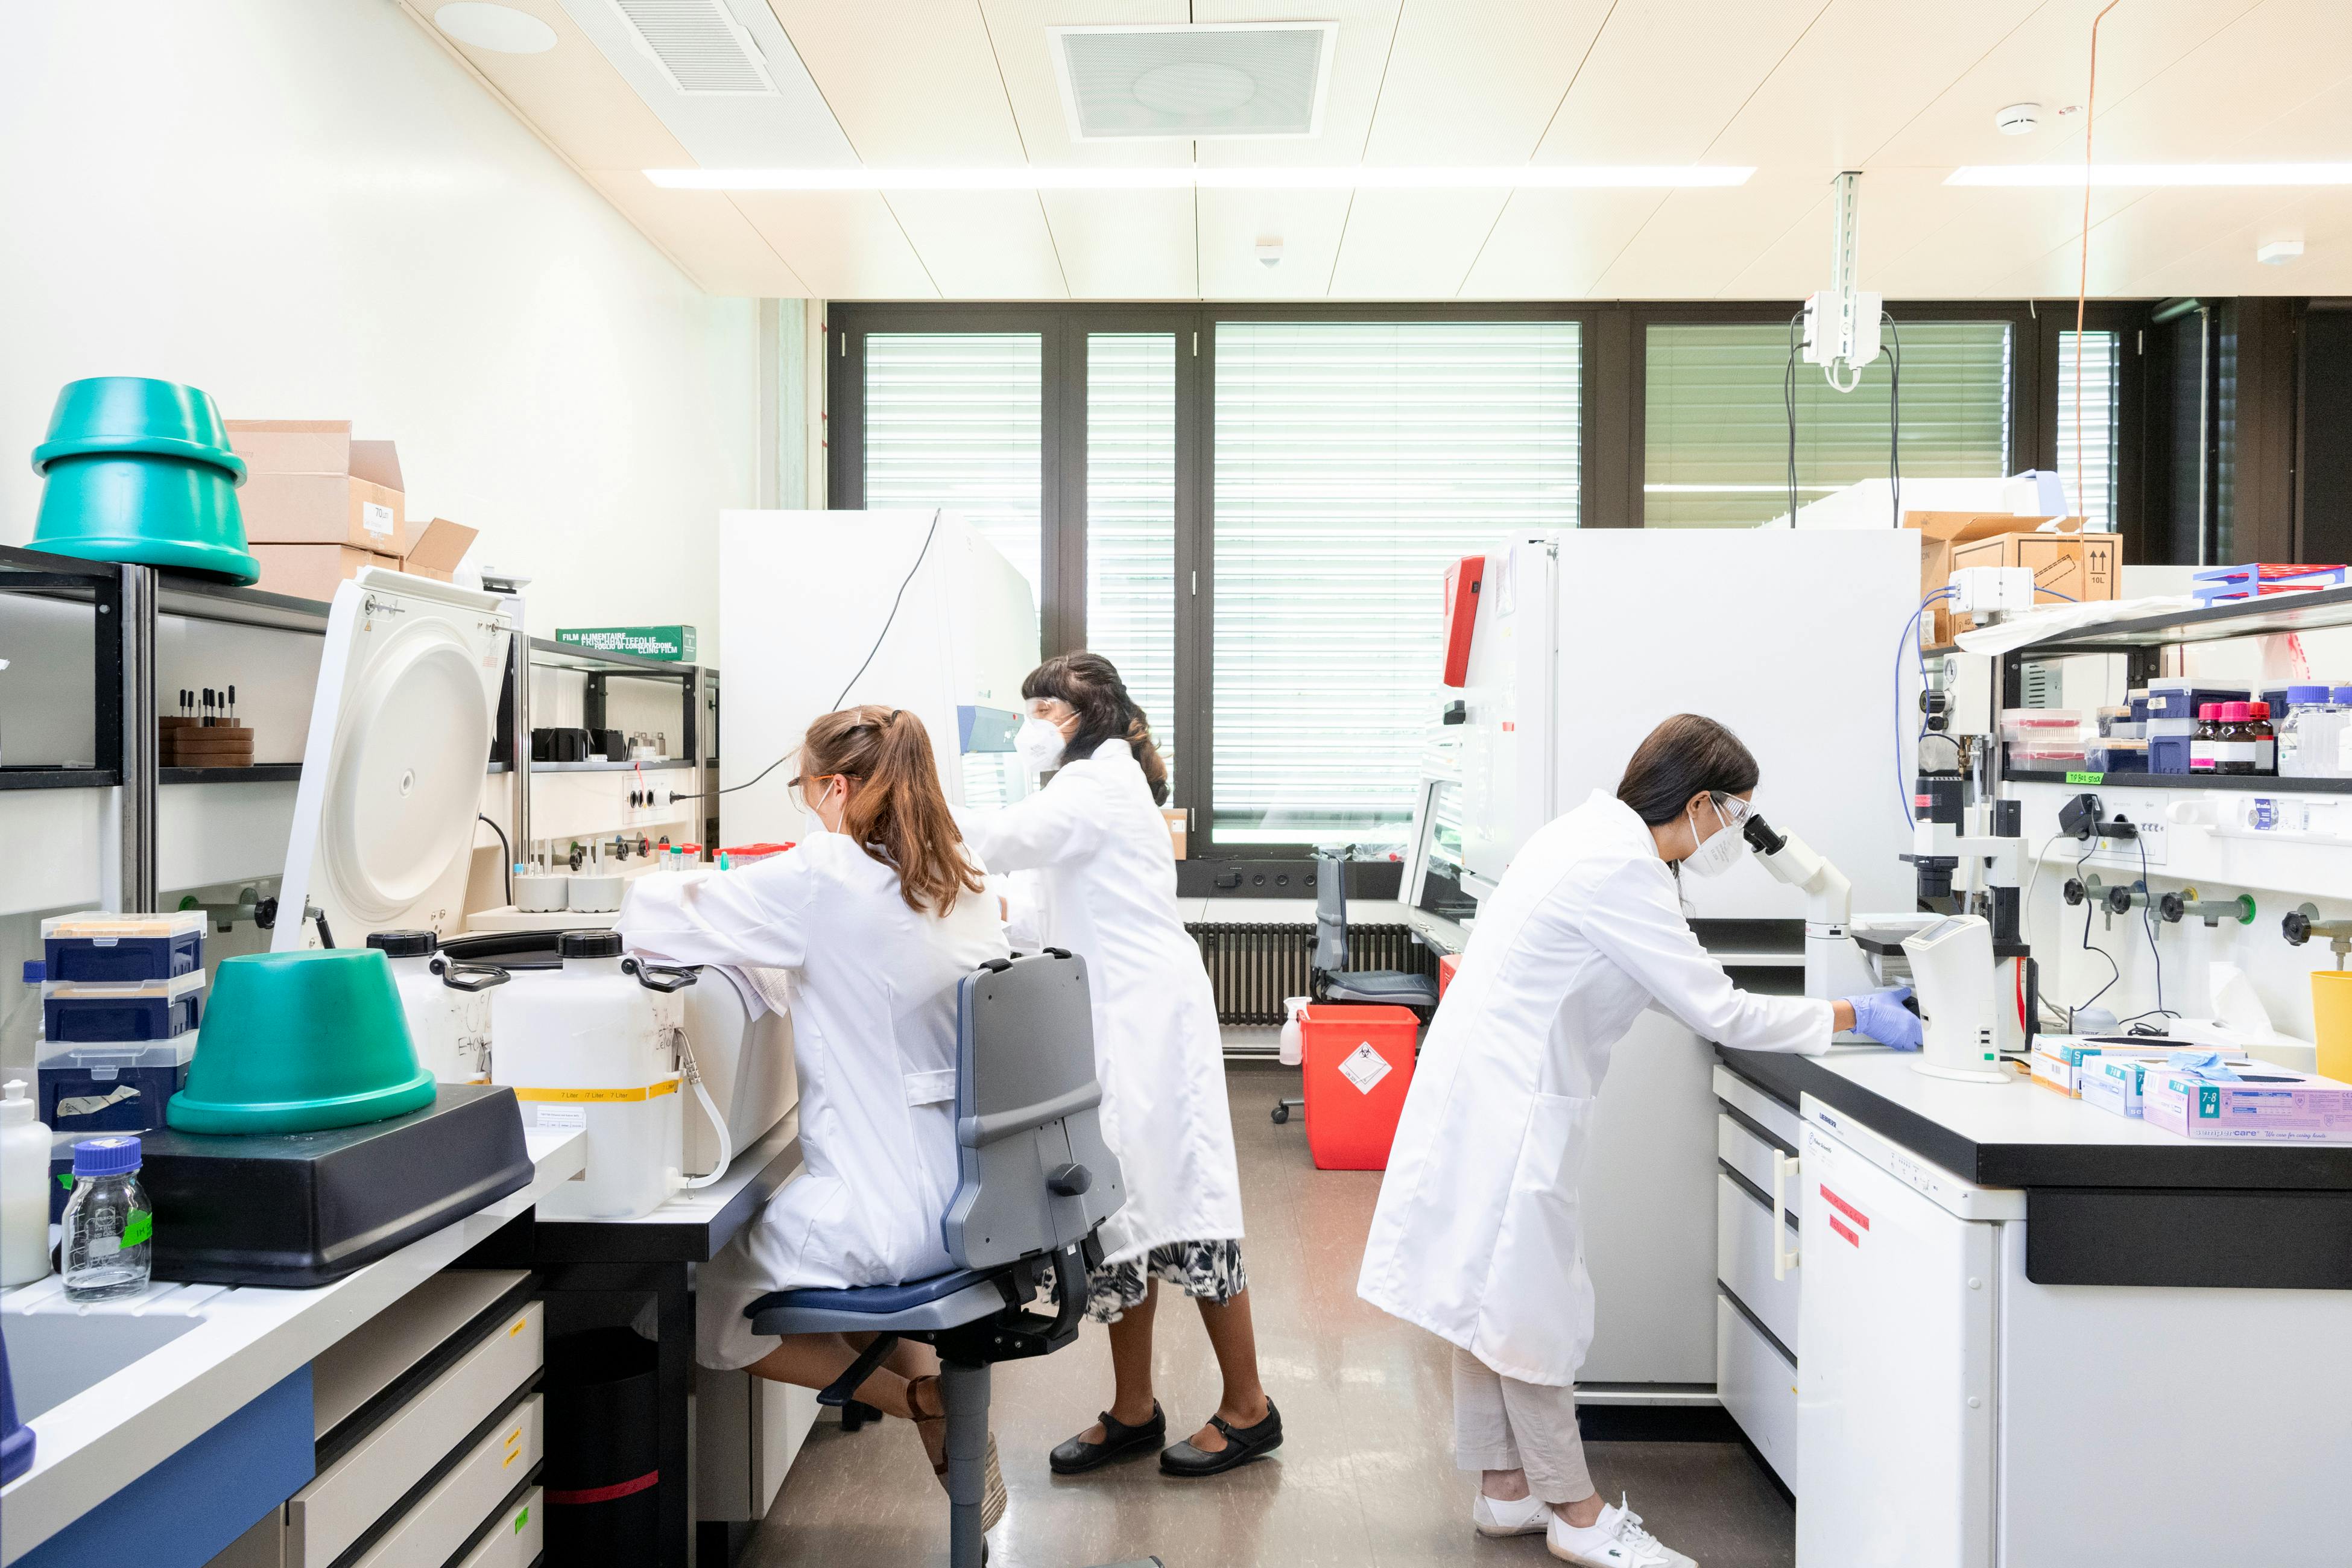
x=310 y=211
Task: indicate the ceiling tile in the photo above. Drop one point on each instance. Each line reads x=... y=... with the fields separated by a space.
x=1554 y=245
x=915 y=88
x=1125 y=245
x=1025 y=54
x=573 y=96
x=1361 y=61
x=1699 y=241
x=706 y=234
x=1476 y=81
x=790 y=127
x=846 y=245
x=1413 y=244
x=1645 y=95
x=982 y=245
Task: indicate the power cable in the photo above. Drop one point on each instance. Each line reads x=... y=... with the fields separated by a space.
x=888 y=622
x=506 y=849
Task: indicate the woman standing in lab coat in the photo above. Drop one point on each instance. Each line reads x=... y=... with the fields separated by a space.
x=868 y=927
x=1106 y=888
x=1477 y=1237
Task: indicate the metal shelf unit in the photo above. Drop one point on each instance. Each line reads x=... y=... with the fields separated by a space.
x=697 y=738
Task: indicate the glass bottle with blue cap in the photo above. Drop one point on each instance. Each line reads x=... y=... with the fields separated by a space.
x=110 y=1227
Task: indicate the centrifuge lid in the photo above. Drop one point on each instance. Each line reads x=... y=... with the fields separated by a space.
x=400 y=742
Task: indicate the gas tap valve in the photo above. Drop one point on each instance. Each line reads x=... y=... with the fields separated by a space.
x=2303 y=923
x=2186 y=904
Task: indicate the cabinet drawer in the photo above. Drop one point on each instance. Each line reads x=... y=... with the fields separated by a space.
x=514 y=1541
x=1743 y=1259
x=446 y=1518
x=1738 y=1147
x=1758 y=1386
x=350 y=1495
x=1774 y=1116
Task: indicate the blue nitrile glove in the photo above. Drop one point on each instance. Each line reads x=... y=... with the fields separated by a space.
x=1882 y=1016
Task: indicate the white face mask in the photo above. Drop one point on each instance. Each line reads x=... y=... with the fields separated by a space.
x=813 y=816
x=1039 y=744
x=1718 y=854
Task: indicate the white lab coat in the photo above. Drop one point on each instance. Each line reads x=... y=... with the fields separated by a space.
x=1477 y=1235
x=1105 y=889
x=873 y=997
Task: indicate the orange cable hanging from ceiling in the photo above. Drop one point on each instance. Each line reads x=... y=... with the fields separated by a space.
x=2082 y=281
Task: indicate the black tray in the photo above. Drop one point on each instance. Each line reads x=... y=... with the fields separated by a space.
x=307 y=1208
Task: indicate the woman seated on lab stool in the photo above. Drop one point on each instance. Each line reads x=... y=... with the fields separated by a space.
x=874 y=918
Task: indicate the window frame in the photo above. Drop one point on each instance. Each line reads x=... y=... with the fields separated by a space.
x=1611 y=461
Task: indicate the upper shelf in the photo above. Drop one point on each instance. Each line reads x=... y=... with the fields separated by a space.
x=2253 y=617
x=2242 y=783
x=572 y=656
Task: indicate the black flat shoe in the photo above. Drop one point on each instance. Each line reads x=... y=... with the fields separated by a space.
x=1120 y=1441
x=1243 y=1444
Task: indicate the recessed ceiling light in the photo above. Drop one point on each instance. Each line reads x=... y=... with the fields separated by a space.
x=501 y=29
x=2018 y=119
x=2214 y=174
x=2278 y=252
x=1026 y=177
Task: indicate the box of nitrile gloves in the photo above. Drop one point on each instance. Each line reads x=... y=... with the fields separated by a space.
x=2253 y=1102
x=675 y=644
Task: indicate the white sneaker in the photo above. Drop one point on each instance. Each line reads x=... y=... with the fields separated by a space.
x=1615 y=1539
x=1529 y=1515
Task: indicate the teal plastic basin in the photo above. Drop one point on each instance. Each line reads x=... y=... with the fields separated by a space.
x=145 y=507
x=300 y=1042
x=137 y=414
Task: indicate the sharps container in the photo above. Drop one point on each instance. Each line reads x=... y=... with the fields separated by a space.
x=604 y=1457
x=1359 y=1063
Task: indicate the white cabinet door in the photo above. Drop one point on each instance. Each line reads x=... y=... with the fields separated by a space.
x=1895 y=1372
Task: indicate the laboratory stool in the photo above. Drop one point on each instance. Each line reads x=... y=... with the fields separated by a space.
x=1328 y=977
x=1034 y=1182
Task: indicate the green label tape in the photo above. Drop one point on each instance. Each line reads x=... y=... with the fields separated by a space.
x=521 y=1519
x=141 y=1229
x=2085 y=778
x=65 y=1180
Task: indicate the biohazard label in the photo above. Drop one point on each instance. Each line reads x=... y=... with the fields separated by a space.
x=1365 y=1067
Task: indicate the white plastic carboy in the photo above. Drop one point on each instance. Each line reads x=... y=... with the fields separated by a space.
x=448 y=1004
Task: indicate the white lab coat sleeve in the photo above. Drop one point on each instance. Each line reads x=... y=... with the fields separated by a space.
x=1024 y=910
x=1636 y=925
x=756 y=917
x=1051 y=827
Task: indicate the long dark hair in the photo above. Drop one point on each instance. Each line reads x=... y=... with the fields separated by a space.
x=900 y=817
x=1089 y=683
x=1687 y=753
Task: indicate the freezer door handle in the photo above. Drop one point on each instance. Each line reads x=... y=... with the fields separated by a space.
x=1784 y=1257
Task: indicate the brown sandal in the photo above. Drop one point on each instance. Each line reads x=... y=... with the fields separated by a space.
x=992 y=1497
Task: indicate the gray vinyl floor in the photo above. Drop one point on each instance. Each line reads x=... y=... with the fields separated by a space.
x=1364 y=1476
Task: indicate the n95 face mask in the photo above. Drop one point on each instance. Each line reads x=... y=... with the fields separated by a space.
x=1718 y=855
x=1039 y=744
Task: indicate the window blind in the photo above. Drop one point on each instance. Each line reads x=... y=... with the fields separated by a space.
x=953 y=420
x=1717 y=441
x=1131 y=519
x=2101 y=379
x=1355 y=460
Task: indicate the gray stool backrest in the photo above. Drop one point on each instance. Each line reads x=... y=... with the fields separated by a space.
x=1331 y=910
x=1027 y=1113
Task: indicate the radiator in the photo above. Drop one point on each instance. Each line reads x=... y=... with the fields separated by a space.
x=1253 y=969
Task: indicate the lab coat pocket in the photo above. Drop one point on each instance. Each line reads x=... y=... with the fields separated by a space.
x=1536 y=1315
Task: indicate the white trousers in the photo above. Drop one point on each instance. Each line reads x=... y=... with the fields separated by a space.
x=1502 y=1424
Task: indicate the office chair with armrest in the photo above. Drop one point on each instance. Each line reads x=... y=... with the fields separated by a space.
x=1035 y=1181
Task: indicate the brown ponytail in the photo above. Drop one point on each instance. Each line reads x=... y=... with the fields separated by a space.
x=1090 y=685
x=899 y=813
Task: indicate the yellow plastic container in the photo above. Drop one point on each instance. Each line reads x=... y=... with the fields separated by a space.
x=2331 y=1017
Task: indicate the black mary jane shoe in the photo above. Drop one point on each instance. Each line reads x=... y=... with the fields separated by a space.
x=1243 y=1444
x=1120 y=1441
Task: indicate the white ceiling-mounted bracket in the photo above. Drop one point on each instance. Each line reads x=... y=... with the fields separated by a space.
x=1842 y=321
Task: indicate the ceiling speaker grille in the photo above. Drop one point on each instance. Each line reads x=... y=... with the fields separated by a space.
x=1246 y=78
x=703 y=51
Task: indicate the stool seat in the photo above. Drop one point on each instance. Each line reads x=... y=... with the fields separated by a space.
x=1381 y=985
x=876 y=1299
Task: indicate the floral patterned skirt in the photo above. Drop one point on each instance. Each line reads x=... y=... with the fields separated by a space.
x=1207 y=1270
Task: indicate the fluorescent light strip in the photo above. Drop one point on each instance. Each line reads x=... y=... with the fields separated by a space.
x=2207 y=174
x=1525 y=176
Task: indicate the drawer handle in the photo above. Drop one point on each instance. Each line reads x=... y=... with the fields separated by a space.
x=1784 y=1259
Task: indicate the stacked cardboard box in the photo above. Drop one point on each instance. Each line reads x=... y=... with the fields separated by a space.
x=320 y=506
x=2067 y=563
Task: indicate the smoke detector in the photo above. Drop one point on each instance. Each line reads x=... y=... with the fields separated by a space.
x=701 y=48
x=1269 y=252
x=2278 y=252
x=2018 y=119
x=1193 y=80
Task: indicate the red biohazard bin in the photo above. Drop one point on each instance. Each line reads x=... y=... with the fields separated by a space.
x=1359 y=1063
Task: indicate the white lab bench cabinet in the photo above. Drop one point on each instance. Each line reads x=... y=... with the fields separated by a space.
x=1756 y=1314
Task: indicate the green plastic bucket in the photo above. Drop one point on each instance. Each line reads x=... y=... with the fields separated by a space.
x=141 y=470
x=144 y=507
x=137 y=414
x=300 y=1042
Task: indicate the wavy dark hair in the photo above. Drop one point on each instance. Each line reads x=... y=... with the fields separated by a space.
x=901 y=817
x=1686 y=754
x=1089 y=683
